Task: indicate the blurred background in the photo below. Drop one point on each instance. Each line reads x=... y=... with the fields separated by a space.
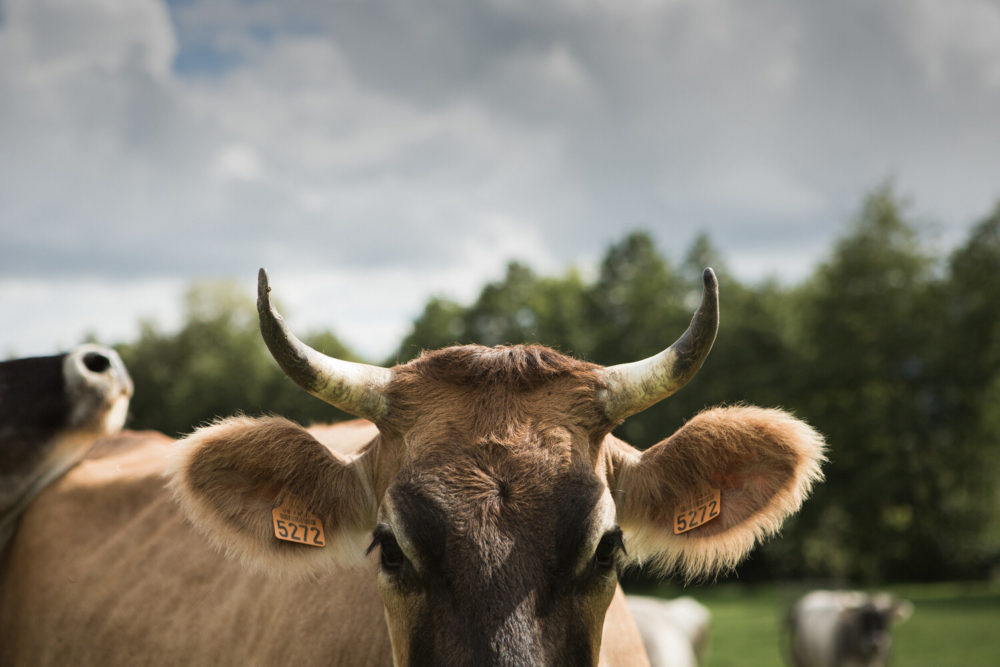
x=423 y=173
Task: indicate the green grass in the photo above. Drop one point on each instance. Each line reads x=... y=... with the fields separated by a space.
x=953 y=624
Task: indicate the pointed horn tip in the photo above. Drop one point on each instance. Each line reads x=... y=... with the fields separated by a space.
x=711 y=282
x=263 y=288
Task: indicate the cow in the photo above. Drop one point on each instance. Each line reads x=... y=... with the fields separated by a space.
x=844 y=628
x=479 y=516
x=674 y=632
x=52 y=409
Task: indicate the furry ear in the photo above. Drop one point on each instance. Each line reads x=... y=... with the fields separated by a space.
x=228 y=477
x=701 y=499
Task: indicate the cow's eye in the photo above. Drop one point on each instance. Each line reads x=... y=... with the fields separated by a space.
x=391 y=556
x=609 y=546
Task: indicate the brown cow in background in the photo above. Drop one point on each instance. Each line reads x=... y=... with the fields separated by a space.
x=493 y=499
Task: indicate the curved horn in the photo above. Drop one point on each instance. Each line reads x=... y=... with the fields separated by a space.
x=633 y=387
x=353 y=387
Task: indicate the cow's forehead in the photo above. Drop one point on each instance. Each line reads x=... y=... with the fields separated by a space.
x=477 y=392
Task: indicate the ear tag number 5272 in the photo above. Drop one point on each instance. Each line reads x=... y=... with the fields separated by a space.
x=699 y=512
x=292 y=522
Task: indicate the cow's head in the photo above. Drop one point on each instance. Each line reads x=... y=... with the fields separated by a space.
x=498 y=502
x=864 y=631
x=52 y=409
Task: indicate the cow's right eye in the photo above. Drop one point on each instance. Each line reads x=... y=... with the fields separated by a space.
x=391 y=557
x=608 y=548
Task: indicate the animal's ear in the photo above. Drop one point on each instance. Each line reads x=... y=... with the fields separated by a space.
x=896 y=610
x=231 y=476
x=901 y=610
x=700 y=500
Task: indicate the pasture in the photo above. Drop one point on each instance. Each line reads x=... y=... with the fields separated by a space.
x=953 y=623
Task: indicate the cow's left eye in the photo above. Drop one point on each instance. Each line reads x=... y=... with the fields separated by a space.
x=611 y=543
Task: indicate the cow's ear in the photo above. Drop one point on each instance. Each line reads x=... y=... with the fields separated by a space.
x=901 y=610
x=229 y=477
x=700 y=500
x=896 y=610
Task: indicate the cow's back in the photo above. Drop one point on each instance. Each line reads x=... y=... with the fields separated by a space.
x=104 y=570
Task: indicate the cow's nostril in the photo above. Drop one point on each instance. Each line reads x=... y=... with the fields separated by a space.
x=96 y=362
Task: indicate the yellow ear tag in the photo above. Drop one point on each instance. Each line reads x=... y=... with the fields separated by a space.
x=294 y=523
x=699 y=512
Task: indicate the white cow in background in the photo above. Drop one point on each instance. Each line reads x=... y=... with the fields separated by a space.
x=844 y=628
x=675 y=632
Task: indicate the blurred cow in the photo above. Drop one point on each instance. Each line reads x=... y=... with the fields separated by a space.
x=844 y=628
x=52 y=409
x=675 y=632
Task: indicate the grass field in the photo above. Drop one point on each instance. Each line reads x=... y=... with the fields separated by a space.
x=953 y=624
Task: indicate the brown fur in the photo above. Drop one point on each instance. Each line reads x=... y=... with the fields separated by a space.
x=519 y=367
x=105 y=570
x=496 y=384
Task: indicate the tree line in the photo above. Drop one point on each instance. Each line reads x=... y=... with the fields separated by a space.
x=890 y=349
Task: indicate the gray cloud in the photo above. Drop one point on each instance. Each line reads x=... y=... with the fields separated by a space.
x=431 y=141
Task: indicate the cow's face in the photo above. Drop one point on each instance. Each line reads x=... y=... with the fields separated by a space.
x=495 y=501
x=498 y=538
x=872 y=626
x=864 y=633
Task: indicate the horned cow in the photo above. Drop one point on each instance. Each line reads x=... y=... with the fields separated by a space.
x=478 y=517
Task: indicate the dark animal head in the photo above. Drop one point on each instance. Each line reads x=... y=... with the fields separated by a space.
x=51 y=411
x=498 y=502
x=865 y=626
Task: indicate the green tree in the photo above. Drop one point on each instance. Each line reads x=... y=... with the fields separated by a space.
x=867 y=339
x=214 y=366
x=966 y=405
x=520 y=308
x=442 y=323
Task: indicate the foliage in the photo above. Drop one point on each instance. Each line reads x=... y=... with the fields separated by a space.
x=879 y=379
x=216 y=365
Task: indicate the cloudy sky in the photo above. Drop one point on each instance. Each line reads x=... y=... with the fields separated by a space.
x=371 y=154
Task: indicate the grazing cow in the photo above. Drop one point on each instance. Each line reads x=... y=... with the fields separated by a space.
x=674 y=632
x=844 y=628
x=478 y=519
x=52 y=409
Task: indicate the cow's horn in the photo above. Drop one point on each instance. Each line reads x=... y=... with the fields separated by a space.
x=353 y=387
x=633 y=387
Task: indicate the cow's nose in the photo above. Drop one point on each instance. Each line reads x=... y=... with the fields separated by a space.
x=96 y=362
